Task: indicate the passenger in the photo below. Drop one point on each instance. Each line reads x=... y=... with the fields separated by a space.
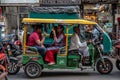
x=76 y=43
x=59 y=41
x=37 y=40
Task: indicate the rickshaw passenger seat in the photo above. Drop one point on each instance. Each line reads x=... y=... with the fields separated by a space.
x=31 y=50
x=62 y=50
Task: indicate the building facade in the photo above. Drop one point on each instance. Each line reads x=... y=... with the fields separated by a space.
x=18 y=9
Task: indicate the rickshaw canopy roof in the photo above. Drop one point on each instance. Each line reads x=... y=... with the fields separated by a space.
x=65 y=21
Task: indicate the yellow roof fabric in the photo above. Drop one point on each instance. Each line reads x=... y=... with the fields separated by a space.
x=66 y=21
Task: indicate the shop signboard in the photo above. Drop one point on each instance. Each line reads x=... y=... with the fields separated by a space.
x=100 y=1
x=106 y=16
x=20 y=1
x=60 y=2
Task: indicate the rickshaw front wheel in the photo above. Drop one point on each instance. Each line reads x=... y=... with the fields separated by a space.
x=118 y=64
x=33 y=69
x=104 y=66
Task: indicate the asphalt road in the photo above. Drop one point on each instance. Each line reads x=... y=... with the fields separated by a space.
x=66 y=74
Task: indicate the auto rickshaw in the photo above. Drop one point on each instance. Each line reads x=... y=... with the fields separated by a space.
x=34 y=64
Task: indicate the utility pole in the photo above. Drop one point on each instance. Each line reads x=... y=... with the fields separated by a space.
x=114 y=8
x=18 y=21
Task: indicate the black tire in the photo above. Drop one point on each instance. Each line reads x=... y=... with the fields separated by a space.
x=118 y=64
x=33 y=69
x=13 y=68
x=108 y=66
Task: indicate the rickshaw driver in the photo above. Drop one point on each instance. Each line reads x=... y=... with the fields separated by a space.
x=37 y=40
x=77 y=44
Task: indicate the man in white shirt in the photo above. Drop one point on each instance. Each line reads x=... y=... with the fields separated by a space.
x=76 y=43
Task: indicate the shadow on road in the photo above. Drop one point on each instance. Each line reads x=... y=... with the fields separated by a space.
x=61 y=74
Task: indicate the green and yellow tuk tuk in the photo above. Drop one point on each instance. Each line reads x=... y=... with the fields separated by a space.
x=34 y=64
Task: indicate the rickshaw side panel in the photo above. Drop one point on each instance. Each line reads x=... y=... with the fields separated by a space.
x=61 y=60
x=27 y=58
x=73 y=60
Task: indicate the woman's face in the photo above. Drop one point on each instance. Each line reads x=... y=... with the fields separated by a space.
x=59 y=29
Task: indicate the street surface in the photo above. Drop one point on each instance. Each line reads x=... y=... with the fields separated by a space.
x=66 y=74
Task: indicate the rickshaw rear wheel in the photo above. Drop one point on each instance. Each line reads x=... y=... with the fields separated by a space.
x=118 y=64
x=105 y=66
x=33 y=69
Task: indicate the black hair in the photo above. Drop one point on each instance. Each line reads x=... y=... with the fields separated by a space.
x=51 y=33
x=37 y=26
x=61 y=26
x=74 y=28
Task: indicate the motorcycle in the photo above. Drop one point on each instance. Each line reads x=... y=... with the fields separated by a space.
x=15 y=56
x=116 y=46
x=13 y=53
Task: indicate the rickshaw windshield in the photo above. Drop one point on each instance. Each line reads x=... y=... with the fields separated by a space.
x=89 y=31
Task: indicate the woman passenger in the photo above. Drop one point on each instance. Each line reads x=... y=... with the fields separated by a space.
x=59 y=41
